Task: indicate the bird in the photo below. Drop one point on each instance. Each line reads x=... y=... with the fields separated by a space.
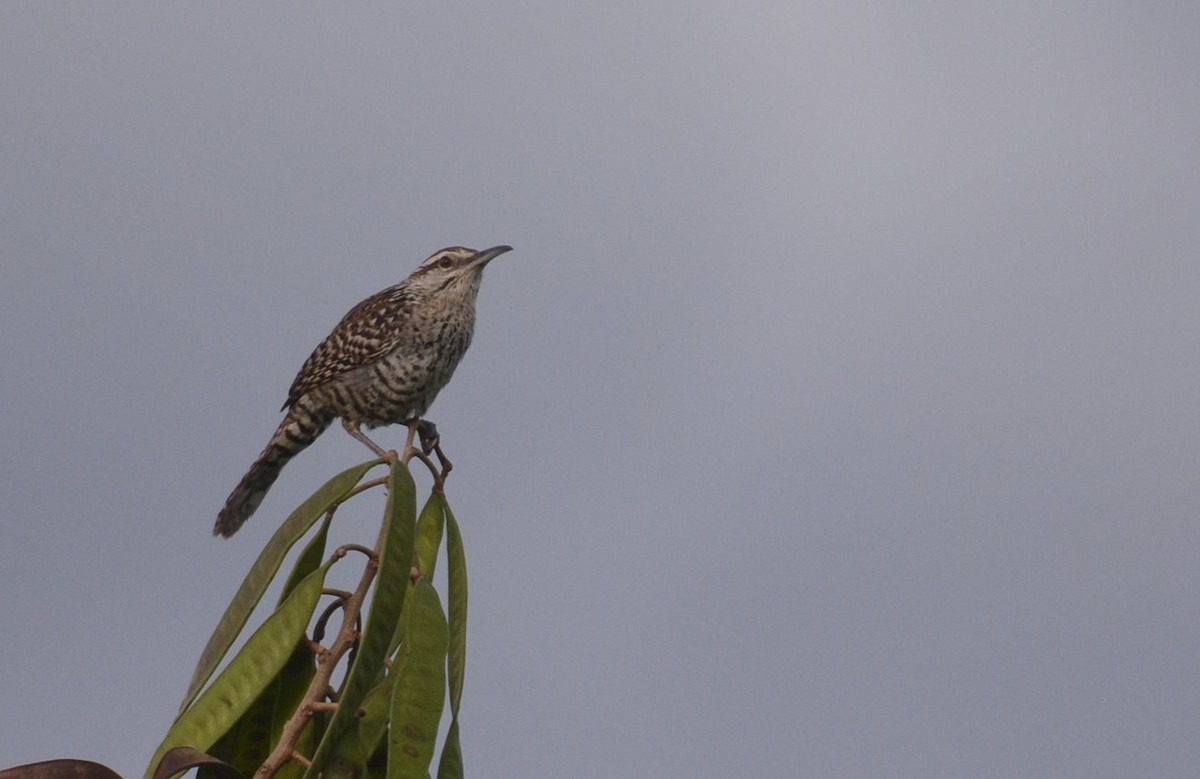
x=384 y=363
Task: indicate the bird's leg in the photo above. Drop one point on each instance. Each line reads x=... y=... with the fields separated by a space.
x=411 y=424
x=423 y=428
x=353 y=429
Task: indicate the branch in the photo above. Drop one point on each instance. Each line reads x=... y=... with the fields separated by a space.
x=313 y=700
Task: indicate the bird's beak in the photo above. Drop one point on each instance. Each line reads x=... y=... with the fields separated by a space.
x=487 y=255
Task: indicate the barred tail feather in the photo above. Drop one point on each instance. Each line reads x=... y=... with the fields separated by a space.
x=298 y=429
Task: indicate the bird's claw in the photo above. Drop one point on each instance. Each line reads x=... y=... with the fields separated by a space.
x=428 y=433
x=431 y=444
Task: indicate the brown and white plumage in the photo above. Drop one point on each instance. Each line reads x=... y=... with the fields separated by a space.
x=385 y=362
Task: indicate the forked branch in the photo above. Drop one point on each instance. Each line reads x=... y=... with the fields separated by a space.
x=327 y=660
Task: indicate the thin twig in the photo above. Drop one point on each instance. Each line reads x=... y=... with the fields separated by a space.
x=408 y=441
x=433 y=471
x=366 y=485
x=365 y=550
x=318 y=632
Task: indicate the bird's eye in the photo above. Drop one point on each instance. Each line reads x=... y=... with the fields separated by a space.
x=446 y=263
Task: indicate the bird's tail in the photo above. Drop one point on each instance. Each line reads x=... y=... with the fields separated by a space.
x=298 y=429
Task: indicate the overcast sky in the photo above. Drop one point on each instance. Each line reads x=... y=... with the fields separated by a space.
x=836 y=414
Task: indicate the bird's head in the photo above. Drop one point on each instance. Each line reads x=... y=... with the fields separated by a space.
x=454 y=269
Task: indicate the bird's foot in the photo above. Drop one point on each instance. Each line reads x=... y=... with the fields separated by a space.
x=428 y=433
x=431 y=444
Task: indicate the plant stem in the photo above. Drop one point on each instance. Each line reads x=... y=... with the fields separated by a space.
x=328 y=660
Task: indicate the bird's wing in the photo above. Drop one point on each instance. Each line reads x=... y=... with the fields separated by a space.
x=367 y=332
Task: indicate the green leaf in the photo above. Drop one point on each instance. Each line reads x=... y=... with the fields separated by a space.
x=450 y=766
x=365 y=734
x=264 y=570
x=339 y=768
x=395 y=564
x=420 y=692
x=309 y=560
x=248 y=674
x=429 y=535
x=248 y=743
x=456 y=603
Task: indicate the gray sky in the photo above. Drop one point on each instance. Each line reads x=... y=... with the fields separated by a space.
x=836 y=414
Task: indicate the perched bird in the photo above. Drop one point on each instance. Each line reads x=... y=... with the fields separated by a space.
x=384 y=363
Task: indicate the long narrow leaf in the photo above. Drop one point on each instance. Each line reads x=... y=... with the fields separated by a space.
x=450 y=765
x=264 y=570
x=429 y=535
x=181 y=759
x=308 y=561
x=420 y=692
x=431 y=524
x=248 y=743
x=395 y=563
x=358 y=742
x=64 y=768
x=456 y=605
x=250 y=671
